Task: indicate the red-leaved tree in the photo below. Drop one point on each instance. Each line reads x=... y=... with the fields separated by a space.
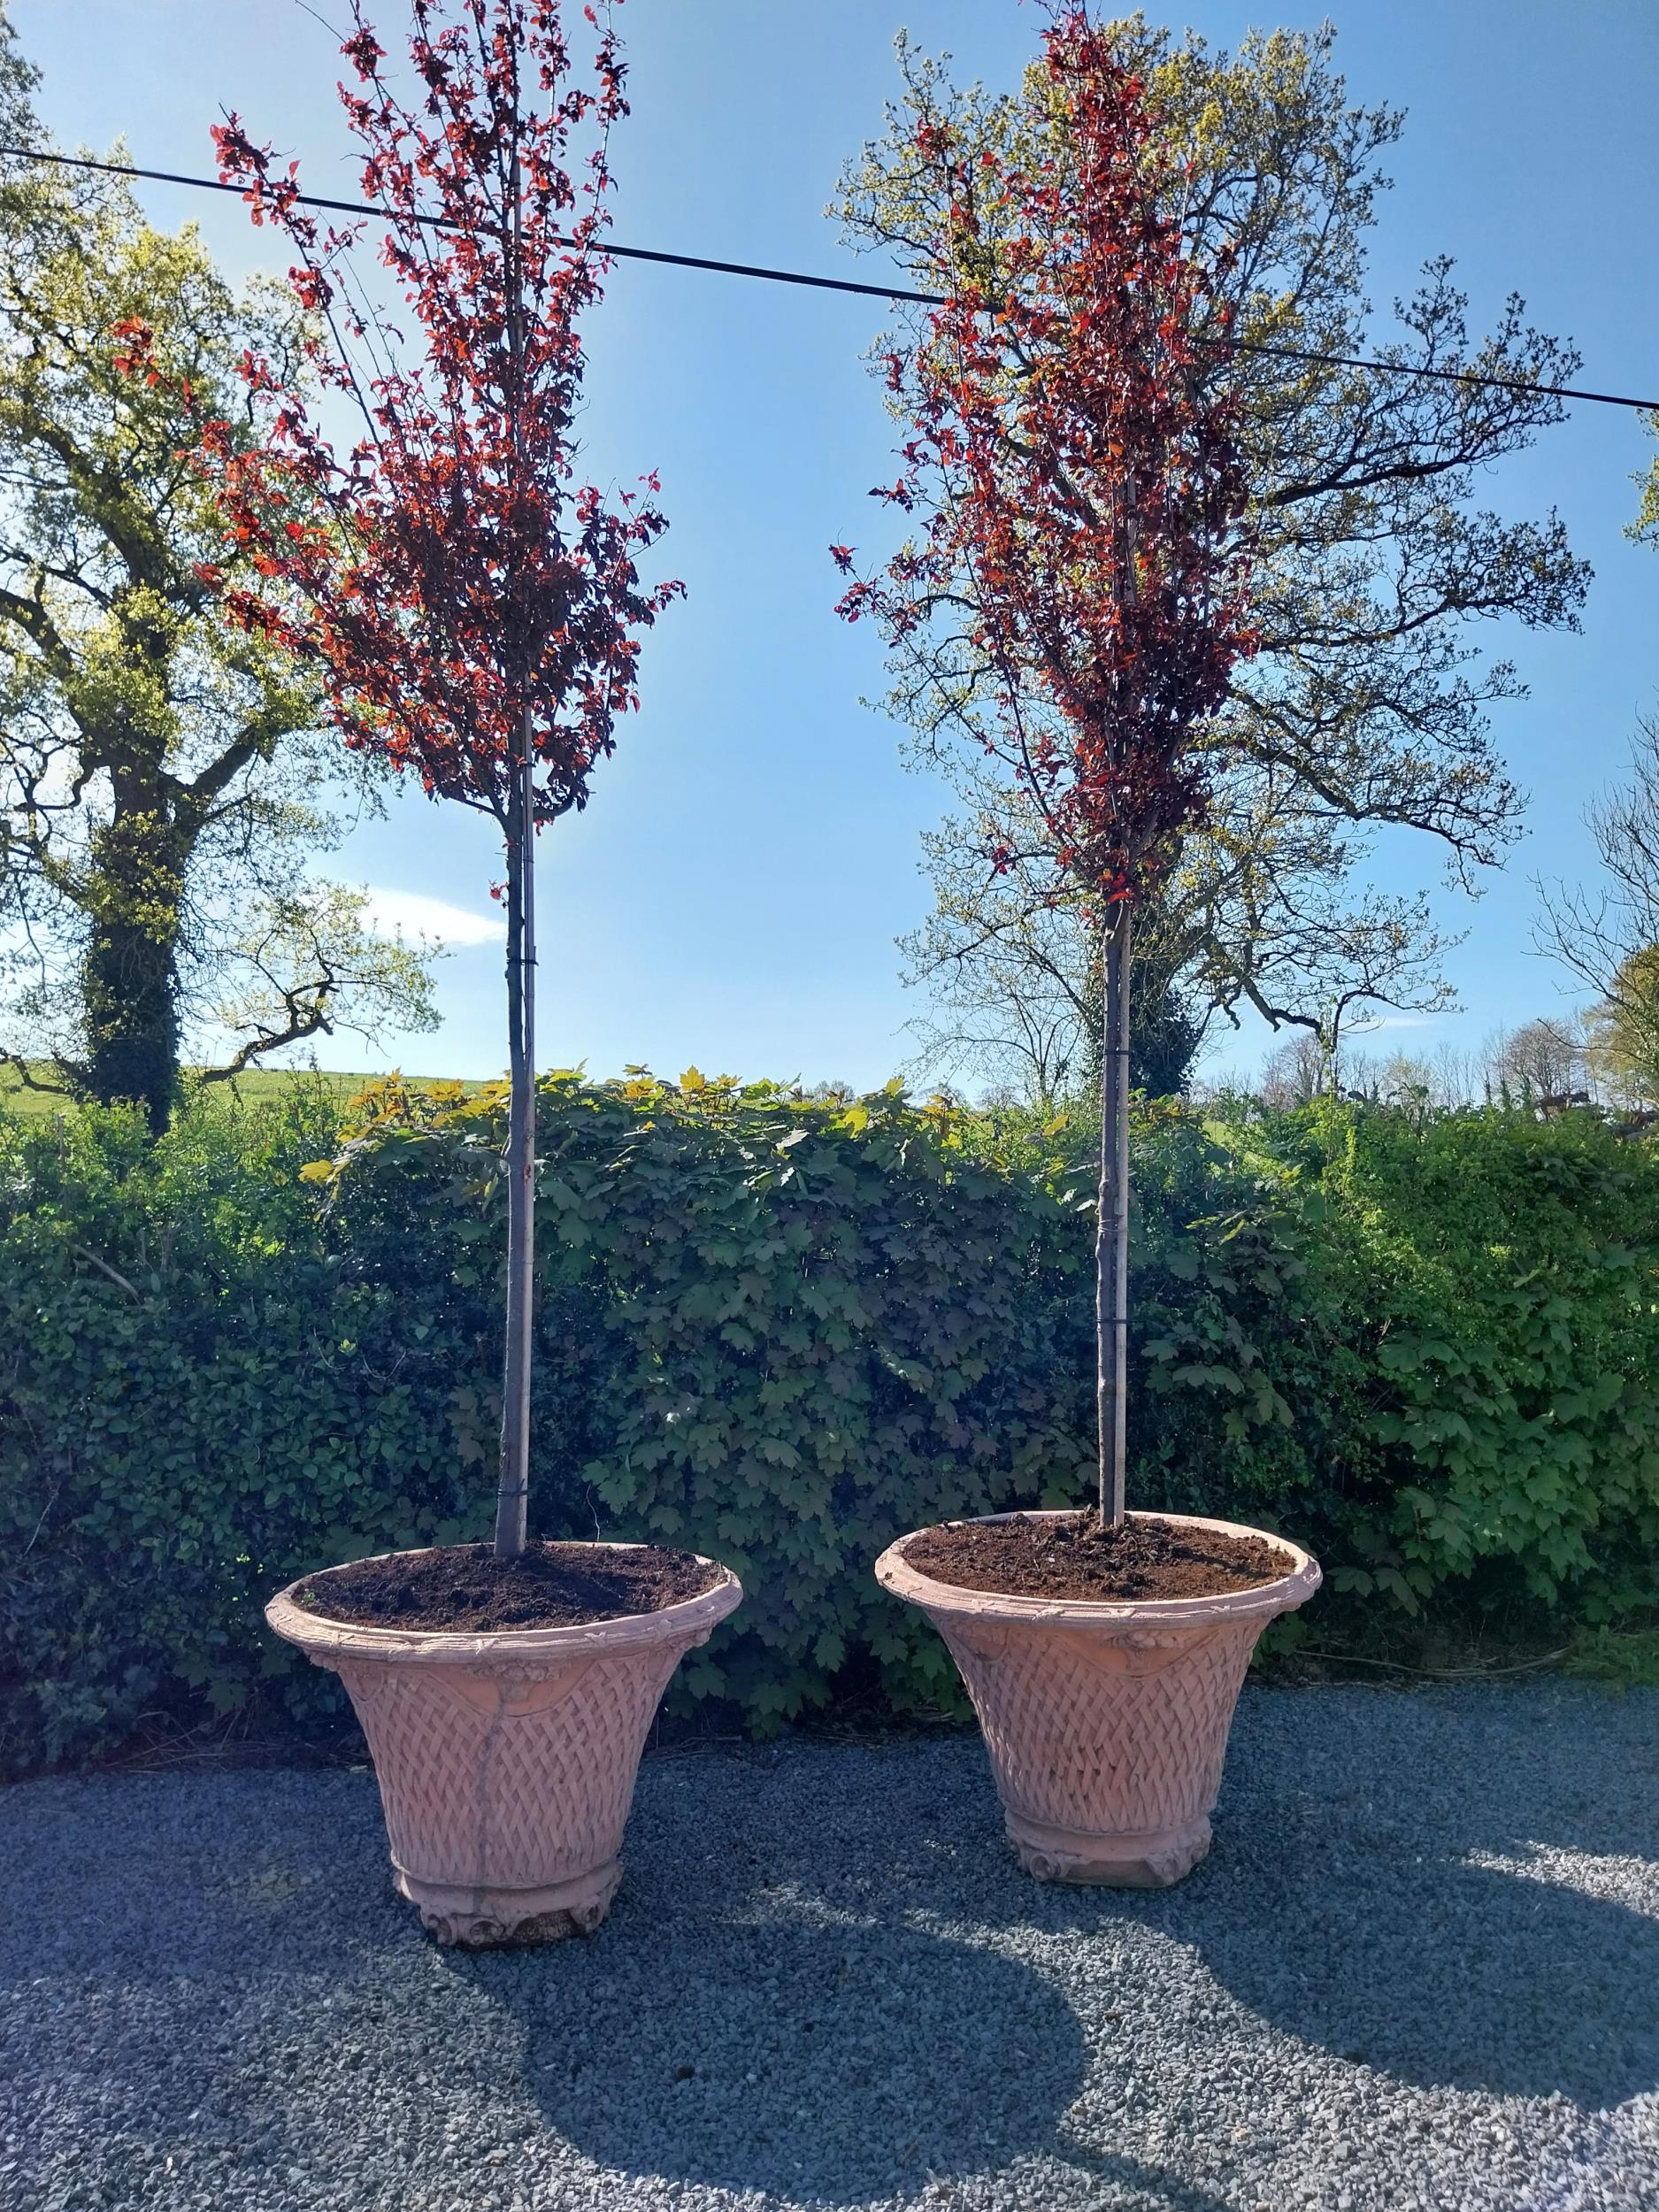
x=471 y=611
x=1079 y=510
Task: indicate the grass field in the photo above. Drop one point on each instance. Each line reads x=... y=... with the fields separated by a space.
x=258 y=1086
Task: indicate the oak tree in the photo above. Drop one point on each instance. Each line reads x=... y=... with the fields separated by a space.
x=163 y=782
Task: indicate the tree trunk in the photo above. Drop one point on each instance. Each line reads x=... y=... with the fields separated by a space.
x=512 y=1499
x=513 y=1495
x=1112 y=1235
x=128 y=978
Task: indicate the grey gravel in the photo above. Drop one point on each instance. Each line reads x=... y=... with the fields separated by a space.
x=1420 y=1970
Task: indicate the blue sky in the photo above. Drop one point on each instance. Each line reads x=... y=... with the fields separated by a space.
x=732 y=895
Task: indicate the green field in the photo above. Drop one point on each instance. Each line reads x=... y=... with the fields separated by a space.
x=256 y=1087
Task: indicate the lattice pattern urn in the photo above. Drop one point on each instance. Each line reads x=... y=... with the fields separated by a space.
x=506 y=1761
x=1106 y=1725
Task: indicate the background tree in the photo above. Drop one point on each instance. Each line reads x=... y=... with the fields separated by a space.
x=1621 y=1046
x=1364 y=705
x=1014 y=968
x=159 y=768
x=1299 y=1068
x=1295 y=1070
x=1541 y=1064
x=1081 y=497
x=1607 y=938
x=1011 y=967
x=469 y=610
x=1645 y=529
x=1449 y=1080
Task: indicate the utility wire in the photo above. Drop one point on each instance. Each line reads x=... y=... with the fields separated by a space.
x=443 y=222
x=840 y=284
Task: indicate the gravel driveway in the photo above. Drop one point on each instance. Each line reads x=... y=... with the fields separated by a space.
x=1420 y=1968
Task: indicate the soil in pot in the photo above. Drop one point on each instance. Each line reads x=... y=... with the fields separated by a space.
x=1073 y=1556
x=463 y=1589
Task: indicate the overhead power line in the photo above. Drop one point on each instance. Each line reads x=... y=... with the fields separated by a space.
x=842 y=284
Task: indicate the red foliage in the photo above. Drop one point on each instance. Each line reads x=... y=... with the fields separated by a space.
x=1081 y=491
x=449 y=570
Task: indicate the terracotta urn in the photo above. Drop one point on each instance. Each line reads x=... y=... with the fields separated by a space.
x=1106 y=1724
x=507 y=1759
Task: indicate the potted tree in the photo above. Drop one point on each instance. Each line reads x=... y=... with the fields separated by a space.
x=472 y=612
x=1084 y=536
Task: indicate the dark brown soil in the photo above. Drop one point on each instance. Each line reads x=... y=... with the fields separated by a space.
x=1075 y=1557
x=464 y=1587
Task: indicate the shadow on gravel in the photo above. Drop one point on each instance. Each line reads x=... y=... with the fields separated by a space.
x=1344 y=1901
x=870 y=2059
x=1450 y=1974
x=775 y=2005
x=829 y=2061
x=1437 y=1973
x=824 y=1978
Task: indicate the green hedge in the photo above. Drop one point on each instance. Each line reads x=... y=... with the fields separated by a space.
x=784 y=1331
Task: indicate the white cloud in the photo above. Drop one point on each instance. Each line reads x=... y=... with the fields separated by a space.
x=1361 y=1026
x=412 y=914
